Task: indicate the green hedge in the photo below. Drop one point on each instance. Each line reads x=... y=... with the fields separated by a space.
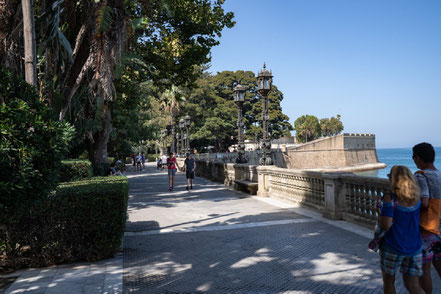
x=152 y=157
x=74 y=170
x=80 y=221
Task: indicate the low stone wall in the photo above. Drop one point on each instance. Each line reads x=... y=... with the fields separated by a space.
x=338 y=196
x=226 y=173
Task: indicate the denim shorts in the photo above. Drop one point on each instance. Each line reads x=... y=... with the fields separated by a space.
x=172 y=172
x=411 y=265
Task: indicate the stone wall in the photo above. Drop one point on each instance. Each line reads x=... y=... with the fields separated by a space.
x=226 y=173
x=341 y=151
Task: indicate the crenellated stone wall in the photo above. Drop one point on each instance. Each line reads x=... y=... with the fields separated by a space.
x=348 y=152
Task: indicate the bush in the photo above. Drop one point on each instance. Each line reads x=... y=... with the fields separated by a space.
x=32 y=144
x=80 y=221
x=151 y=157
x=101 y=169
x=74 y=170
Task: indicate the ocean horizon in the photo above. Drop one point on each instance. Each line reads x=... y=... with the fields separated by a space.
x=397 y=156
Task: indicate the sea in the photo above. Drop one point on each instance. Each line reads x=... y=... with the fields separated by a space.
x=398 y=156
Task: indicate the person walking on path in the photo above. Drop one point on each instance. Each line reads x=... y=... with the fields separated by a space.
x=138 y=162
x=429 y=181
x=189 y=166
x=171 y=164
x=402 y=245
x=164 y=161
x=143 y=160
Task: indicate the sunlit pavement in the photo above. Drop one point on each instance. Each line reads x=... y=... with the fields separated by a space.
x=214 y=240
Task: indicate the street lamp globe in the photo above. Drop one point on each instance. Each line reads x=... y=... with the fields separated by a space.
x=181 y=123
x=264 y=81
x=239 y=93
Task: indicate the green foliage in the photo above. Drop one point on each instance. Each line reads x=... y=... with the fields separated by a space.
x=82 y=220
x=307 y=128
x=104 y=18
x=151 y=157
x=214 y=113
x=32 y=145
x=74 y=170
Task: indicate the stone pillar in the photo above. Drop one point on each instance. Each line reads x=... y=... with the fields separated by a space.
x=263 y=181
x=334 y=197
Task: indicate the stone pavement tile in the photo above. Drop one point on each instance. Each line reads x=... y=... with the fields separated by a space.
x=309 y=257
x=98 y=277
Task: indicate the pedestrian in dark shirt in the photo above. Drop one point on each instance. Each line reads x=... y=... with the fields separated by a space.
x=190 y=166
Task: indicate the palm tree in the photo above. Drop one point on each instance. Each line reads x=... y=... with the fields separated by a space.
x=171 y=101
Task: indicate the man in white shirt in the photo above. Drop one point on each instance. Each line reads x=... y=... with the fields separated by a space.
x=164 y=161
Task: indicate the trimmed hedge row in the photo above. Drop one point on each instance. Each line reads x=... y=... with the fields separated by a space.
x=80 y=221
x=74 y=170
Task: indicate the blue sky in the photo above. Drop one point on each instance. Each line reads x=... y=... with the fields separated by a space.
x=376 y=63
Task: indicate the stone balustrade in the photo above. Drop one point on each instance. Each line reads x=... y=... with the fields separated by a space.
x=338 y=196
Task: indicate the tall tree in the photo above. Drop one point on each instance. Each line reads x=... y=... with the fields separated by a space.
x=171 y=101
x=164 y=39
x=29 y=42
x=215 y=113
x=307 y=128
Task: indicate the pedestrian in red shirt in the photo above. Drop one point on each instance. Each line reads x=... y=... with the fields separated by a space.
x=171 y=164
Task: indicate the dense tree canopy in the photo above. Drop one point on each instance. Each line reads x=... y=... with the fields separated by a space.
x=214 y=113
x=92 y=54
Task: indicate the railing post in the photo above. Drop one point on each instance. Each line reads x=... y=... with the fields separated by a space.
x=263 y=181
x=334 y=197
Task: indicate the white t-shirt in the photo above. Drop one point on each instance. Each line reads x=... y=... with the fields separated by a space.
x=164 y=159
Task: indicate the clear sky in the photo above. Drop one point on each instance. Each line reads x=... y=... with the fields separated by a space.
x=376 y=63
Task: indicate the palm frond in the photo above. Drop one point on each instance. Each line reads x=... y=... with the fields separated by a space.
x=104 y=18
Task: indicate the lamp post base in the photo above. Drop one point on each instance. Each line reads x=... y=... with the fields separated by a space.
x=266 y=154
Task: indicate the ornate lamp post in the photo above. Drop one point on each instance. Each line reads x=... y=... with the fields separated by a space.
x=169 y=128
x=177 y=144
x=239 y=99
x=182 y=126
x=264 y=83
x=187 y=127
x=164 y=141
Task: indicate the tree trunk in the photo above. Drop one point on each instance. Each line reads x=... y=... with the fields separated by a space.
x=29 y=42
x=98 y=145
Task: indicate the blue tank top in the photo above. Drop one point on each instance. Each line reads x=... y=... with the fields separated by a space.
x=404 y=234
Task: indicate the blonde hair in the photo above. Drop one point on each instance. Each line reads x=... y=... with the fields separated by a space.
x=403 y=184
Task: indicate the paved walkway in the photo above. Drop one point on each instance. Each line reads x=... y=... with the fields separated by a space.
x=215 y=240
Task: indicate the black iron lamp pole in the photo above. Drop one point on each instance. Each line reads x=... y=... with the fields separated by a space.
x=187 y=119
x=177 y=144
x=182 y=126
x=169 y=128
x=264 y=83
x=239 y=99
x=164 y=141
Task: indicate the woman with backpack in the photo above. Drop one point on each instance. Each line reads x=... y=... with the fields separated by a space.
x=402 y=245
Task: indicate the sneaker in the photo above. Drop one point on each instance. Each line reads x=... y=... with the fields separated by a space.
x=188 y=188
x=191 y=187
x=170 y=189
